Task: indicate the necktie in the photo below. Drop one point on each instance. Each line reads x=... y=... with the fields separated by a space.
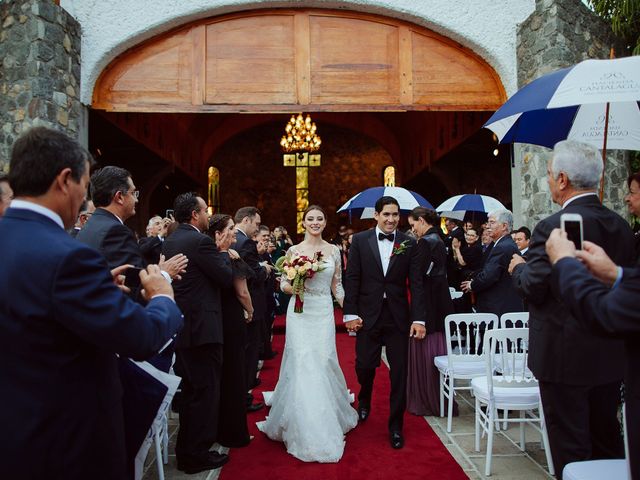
x=382 y=236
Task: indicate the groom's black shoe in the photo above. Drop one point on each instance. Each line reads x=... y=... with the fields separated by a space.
x=363 y=413
x=396 y=439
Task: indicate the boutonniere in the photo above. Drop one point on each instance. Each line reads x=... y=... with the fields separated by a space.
x=400 y=248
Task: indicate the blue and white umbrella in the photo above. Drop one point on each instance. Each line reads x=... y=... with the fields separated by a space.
x=461 y=206
x=363 y=203
x=576 y=103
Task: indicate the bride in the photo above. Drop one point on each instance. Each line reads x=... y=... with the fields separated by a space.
x=311 y=406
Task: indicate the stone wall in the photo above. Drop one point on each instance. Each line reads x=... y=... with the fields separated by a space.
x=40 y=73
x=558 y=34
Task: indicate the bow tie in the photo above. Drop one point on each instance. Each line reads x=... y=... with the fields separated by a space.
x=383 y=236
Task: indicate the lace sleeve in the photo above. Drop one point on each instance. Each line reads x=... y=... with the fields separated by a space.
x=336 y=282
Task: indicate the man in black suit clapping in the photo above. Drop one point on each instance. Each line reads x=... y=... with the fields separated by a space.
x=199 y=344
x=579 y=372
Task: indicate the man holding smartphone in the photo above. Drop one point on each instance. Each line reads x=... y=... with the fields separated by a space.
x=579 y=372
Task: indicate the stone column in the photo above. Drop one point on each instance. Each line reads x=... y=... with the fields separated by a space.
x=40 y=72
x=558 y=34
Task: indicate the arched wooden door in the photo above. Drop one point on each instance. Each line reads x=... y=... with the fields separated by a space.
x=294 y=60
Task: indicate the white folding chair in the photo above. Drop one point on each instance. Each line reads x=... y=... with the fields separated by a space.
x=598 y=469
x=516 y=389
x=514 y=320
x=465 y=361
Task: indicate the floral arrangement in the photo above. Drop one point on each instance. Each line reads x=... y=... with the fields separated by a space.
x=297 y=269
x=400 y=248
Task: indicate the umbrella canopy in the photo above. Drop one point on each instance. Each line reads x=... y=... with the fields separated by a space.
x=579 y=103
x=463 y=207
x=363 y=203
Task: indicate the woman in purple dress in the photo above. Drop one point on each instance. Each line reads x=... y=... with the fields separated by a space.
x=423 y=397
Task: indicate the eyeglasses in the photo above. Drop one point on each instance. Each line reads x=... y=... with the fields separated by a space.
x=135 y=193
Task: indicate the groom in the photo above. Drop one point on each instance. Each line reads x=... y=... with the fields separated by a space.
x=376 y=306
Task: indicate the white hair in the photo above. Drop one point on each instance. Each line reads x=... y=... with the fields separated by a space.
x=581 y=163
x=502 y=215
x=157 y=218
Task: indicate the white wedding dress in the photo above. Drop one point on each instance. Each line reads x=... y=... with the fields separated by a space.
x=311 y=407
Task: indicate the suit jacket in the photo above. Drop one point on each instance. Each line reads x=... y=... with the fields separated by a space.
x=248 y=251
x=74 y=232
x=151 y=249
x=492 y=284
x=62 y=320
x=198 y=293
x=366 y=285
x=117 y=242
x=608 y=313
x=559 y=349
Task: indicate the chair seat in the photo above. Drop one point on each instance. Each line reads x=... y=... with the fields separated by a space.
x=596 y=470
x=465 y=368
x=512 y=396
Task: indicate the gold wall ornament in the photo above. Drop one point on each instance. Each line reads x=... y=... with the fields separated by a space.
x=389 y=176
x=213 y=190
x=300 y=142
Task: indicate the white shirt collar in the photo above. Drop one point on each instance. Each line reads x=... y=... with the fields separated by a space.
x=34 y=207
x=241 y=231
x=496 y=242
x=564 y=205
x=378 y=232
x=196 y=228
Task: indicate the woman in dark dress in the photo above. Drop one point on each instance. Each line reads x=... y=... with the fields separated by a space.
x=423 y=385
x=470 y=257
x=236 y=311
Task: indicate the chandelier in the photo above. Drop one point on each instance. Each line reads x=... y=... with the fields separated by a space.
x=300 y=135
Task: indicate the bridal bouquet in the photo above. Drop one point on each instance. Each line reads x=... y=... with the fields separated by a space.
x=297 y=269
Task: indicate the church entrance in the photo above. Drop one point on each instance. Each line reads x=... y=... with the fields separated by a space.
x=219 y=92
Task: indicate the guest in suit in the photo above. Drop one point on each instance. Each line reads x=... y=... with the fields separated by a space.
x=151 y=245
x=453 y=269
x=237 y=311
x=423 y=385
x=263 y=238
x=632 y=200
x=199 y=345
x=522 y=238
x=115 y=197
x=247 y=221
x=604 y=300
x=381 y=262
x=579 y=372
x=62 y=321
x=86 y=211
x=492 y=285
x=6 y=194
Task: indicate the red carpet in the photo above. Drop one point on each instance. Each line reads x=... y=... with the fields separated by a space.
x=367 y=454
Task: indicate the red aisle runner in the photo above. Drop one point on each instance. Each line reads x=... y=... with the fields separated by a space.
x=367 y=454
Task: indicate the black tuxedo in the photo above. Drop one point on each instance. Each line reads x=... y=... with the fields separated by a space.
x=151 y=248
x=579 y=372
x=492 y=284
x=248 y=251
x=199 y=345
x=609 y=313
x=114 y=240
x=381 y=302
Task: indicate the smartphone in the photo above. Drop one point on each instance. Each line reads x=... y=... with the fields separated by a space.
x=168 y=213
x=132 y=277
x=572 y=224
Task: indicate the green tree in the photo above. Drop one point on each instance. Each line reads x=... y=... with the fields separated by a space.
x=624 y=16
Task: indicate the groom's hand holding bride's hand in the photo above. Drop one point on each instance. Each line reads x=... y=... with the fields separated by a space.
x=353 y=325
x=418 y=331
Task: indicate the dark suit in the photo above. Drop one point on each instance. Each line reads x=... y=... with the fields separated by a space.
x=199 y=345
x=104 y=232
x=62 y=320
x=385 y=320
x=150 y=248
x=494 y=289
x=74 y=232
x=579 y=372
x=609 y=313
x=248 y=251
x=454 y=274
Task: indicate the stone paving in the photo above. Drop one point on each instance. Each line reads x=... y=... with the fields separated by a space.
x=509 y=462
